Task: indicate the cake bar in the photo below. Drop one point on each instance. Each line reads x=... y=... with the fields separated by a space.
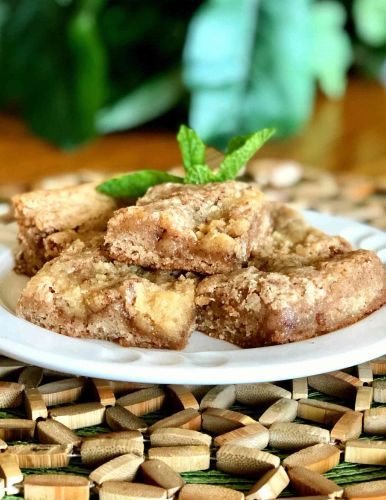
x=81 y=293
x=253 y=308
x=207 y=228
x=50 y=220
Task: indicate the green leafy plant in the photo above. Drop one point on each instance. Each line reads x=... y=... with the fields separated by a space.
x=332 y=53
x=78 y=68
x=74 y=69
x=193 y=157
x=370 y=21
x=240 y=150
x=255 y=62
x=163 y=92
x=369 y=18
x=53 y=67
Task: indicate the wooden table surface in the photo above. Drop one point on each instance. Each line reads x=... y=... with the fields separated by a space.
x=346 y=135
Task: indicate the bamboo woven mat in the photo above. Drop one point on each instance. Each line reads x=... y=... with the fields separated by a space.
x=343 y=474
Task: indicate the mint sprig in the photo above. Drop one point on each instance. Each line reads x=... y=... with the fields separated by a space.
x=136 y=184
x=193 y=157
x=239 y=151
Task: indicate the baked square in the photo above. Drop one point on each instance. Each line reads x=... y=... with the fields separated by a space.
x=82 y=293
x=253 y=308
x=50 y=220
x=207 y=228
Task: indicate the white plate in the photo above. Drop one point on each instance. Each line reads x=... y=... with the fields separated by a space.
x=205 y=360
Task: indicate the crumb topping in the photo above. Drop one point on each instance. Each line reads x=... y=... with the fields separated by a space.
x=203 y=228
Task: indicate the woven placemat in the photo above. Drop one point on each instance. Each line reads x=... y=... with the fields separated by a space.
x=343 y=474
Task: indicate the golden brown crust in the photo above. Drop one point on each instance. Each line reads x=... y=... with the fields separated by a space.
x=206 y=228
x=41 y=215
x=299 y=282
x=253 y=308
x=82 y=293
x=292 y=242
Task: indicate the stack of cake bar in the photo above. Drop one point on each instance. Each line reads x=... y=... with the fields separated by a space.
x=218 y=257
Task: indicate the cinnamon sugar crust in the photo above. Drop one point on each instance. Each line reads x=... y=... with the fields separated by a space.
x=82 y=293
x=253 y=308
x=50 y=220
x=291 y=242
x=207 y=228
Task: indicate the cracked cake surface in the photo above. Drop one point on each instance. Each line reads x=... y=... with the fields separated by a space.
x=253 y=308
x=290 y=241
x=50 y=220
x=82 y=293
x=207 y=228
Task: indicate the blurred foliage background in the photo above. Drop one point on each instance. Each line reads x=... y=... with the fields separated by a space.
x=75 y=69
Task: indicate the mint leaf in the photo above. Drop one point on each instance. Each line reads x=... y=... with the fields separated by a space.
x=235 y=143
x=240 y=150
x=136 y=184
x=192 y=151
x=200 y=174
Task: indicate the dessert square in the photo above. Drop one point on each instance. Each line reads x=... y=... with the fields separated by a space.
x=253 y=308
x=81 y=293
x=49 y=220
x=207 y=228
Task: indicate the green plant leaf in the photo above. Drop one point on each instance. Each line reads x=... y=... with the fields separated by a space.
x=4 y=12
x=193 y=156
x=191 y=146
x=52 y=67
x=90 y=64
x=144 y=42
x=136 y=184
x=248 y=65
x=370 y=21
x=332 y=52
x=236 y=142
x=240 y=150
x=200 y=174
x=148 y=101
